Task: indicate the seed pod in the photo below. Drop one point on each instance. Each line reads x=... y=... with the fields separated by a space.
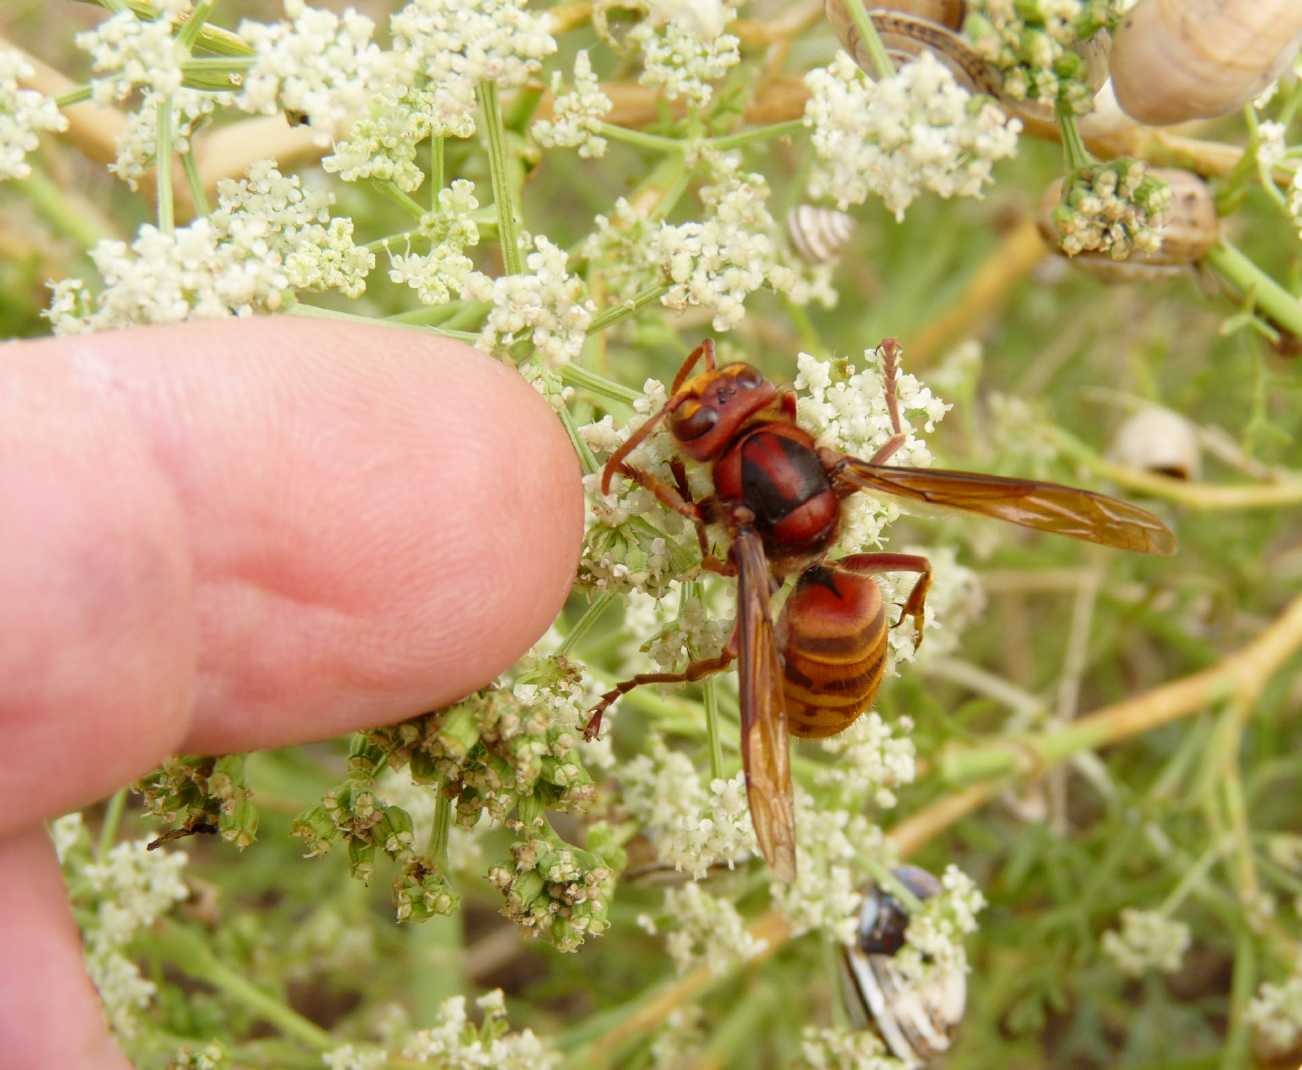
x=1188 y=233
x=818 y=234
x=1174 y=60
x=1155 y=439
x=917 y=1023
x=910 y=27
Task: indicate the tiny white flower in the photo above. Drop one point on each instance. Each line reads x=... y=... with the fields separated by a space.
x=706 y=928
x=1148 y=940
x=577 y=115
x=138 y=144
x=683 y=48
x=546 y=306
x=23 y=112
x=1276 y=1015
x=918 y=130
x=319 y=64
x=127 y=51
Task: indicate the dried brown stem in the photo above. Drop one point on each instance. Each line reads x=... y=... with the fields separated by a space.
x=987 y=290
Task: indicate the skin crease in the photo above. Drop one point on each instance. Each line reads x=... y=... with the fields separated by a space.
x=239 y=534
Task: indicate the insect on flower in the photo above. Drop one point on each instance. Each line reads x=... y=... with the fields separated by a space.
x=778 y=496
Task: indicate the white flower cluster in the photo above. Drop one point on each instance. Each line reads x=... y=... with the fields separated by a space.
x=127 y=51
x=706 y=928
x=267 y=238
x=933 y=942
x=454 y=1043
x=547 y=306
x=126 y=893
x=351 y=1057
x=22 y=113
x=456 y=44
x=919 y=130
x=138 y=145
x=445 y=270
x=681 y=628
x=382 y=142
x=684 y=49
x=831 y=847
x=1276 y=1015
x=1148 y=940
x=718 y=262
x=577 y=115
x=871 y=761
x=623 y=549
x=619 y=241
x=693 y=825
x=844 y=1049
x=682 y=1035
x=1116 y=208
x=319 y=64
x=1271 y=145
x=846 y=410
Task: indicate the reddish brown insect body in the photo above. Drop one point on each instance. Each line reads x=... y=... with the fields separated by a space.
x=833 y=636
x=778 y=496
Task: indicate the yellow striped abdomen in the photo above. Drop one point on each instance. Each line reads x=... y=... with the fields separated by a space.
x=833 y=633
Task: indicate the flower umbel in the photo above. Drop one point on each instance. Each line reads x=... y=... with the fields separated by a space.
x=919 y=130
x=1148 y=940
x=23 y=112
x=1114 y=208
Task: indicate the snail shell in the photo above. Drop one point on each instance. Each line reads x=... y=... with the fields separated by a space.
x=1155 y=439
x=1174 y=60
x=818 y=234
x=910 y=27
x=917 y=1024
x=1188 y=233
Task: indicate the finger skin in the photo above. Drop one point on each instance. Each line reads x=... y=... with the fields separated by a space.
x=240 y=534
x=50 y=1015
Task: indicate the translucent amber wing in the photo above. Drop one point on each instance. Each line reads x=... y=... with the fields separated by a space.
x=764 y=747
x=1052 y=507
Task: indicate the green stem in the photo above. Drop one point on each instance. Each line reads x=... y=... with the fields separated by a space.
x=1073 y=145
x=163 y=168
x=1243 y=986
x=195 y=23
x=108 y=831
x=438 y=836
x=868 y=36
x=627 y=308
x=404 y=200
x=197 y=194
x=695 y=592
x=508 y=218
x=585 y=379
x=1280 y=305
x=317 y=312
x=51 y=203
x=640 y=138
x=74 y=96
x=581 y=626
x=758 y=133
x=586 y=457
x=1192 y=880
x=192 y=954
x=210 y=38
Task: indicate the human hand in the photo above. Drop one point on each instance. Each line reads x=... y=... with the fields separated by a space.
x=241 y=534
